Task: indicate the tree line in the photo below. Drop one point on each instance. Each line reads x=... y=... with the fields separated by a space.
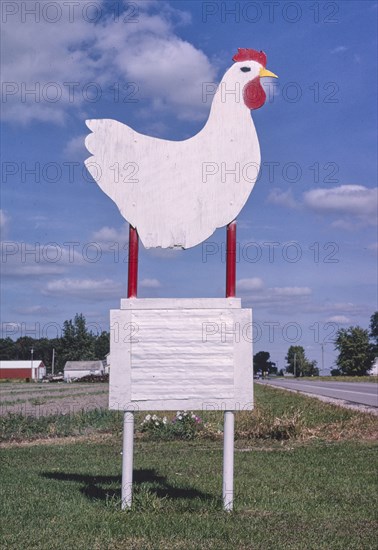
x=357 y=348
x=77 y=343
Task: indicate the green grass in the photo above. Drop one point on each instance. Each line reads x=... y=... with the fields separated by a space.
x=373 y=379
x=16 y=427
x=315 y=488
x=308 y=497
x=278 y=415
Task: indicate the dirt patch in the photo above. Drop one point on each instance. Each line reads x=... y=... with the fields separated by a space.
x=47 y=401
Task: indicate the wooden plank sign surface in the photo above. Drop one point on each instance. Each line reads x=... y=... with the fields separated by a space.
x=184 y=354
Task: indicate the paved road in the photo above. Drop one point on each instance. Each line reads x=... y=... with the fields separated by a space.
x=360 y=392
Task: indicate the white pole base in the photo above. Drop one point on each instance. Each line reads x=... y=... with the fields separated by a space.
x=127 y=460
x=228 y=461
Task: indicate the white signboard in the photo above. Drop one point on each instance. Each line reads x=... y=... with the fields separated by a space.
x=173 y=354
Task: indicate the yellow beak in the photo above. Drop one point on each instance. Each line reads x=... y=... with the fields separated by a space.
x=265 y=72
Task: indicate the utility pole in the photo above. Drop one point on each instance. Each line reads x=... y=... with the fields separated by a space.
x=322 y=346
x=295 y=365
x=32 y=353
x=53 y=362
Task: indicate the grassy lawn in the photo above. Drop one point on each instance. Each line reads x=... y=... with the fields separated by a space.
x=373 y=379
x=315 y=488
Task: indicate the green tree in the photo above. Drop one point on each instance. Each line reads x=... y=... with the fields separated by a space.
x=355 y=351
x=23 y=348
x=7 y=349
x=261 y=363
x=77 y=342
x=335 y=372
x=374 y=332
x=102 y=345
x=298 y=364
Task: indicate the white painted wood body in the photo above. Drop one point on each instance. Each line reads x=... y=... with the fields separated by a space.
x=181 y=354
x=177 y=193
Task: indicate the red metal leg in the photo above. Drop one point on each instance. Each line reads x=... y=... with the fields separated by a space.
x=231 y=260
x=132 y=283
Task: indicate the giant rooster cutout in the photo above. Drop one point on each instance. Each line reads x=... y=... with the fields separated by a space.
x=177 y=193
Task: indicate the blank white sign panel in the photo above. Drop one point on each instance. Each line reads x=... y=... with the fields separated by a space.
x=176 y=356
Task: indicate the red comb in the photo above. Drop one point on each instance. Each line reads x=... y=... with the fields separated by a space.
x=245 y=54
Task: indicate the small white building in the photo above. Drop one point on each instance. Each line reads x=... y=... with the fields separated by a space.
x=32 y=369
x=107 y=363
x=78 y=369
x=374 y=368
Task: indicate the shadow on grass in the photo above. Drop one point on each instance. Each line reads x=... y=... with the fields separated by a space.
x=97 y=487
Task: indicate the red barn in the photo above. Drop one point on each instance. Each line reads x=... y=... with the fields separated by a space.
x=35 y=370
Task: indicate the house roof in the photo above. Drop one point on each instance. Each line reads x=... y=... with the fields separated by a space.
x=83 y=365
x=21 y=364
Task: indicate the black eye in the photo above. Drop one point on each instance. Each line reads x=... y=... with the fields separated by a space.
x=245 y=69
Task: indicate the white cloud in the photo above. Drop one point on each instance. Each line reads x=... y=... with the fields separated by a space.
x=4 y=219
x=4 y=224
x=107 y=236
x=75 y=148
x=253 y=283
x=244 y=224
x=354 y=205
x=344 y=309
x=291 y=291
x=27 y=270
x=283 y=298
x=150 y=283
x=59 y=60
x=93 y=289
x=339 y=319
x=282 y=198
x=21 y=259
x=339 y=49
x=34 y=310
x=354 y=200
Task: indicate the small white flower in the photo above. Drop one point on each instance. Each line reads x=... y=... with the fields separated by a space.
x=179 y=417
x=156 y=423
x=154 y=417
x=178 y=413
x=193 y=415
x=164 y=420
x=148 y=417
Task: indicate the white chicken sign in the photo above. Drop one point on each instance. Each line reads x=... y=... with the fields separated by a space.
x=183 y=354
x=177 y=193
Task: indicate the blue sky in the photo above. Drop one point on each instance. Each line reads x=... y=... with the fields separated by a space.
x=307 y=236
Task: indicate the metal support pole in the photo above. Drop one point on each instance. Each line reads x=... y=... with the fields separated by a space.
x=228 y=461
x=128 y=416
x=127 y=459
x=229 y=416
x=231 y=260
x=132 y=283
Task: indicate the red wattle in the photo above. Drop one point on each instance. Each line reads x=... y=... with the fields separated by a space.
x=254 y=94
